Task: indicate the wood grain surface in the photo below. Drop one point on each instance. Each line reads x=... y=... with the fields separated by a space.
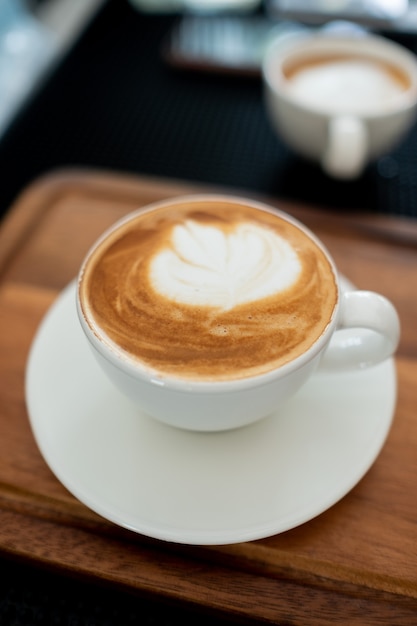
x=355 y=564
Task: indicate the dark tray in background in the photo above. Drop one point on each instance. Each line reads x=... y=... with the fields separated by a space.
x=114 y=103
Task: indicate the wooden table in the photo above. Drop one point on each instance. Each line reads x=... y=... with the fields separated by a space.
x=355 y=563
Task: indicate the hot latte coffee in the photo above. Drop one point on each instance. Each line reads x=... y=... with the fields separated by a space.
x=208 y=289
x=342 y=83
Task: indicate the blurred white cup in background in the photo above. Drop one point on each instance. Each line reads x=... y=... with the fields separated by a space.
x=341 y=100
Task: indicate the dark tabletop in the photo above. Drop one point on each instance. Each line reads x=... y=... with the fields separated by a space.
x=113 y=103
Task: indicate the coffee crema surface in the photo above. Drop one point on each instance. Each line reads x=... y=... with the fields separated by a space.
x=205 y=291
x=345 y=83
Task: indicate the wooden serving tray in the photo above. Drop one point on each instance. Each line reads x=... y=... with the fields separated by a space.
x=357 y=561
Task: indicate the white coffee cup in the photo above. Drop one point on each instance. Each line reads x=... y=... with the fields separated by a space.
x=340 y=99
x=216 y=403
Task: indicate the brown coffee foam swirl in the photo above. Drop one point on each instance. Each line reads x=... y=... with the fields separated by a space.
x=200 y=342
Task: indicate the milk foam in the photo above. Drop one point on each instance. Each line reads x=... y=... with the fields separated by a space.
x=205 y=266
x=209 y=255
x=345 y=86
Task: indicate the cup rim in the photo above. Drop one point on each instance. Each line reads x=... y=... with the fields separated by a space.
x=137 y=370
x=299 y=43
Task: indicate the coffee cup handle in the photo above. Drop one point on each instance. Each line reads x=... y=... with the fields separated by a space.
x=367 y=333
x=346 y=151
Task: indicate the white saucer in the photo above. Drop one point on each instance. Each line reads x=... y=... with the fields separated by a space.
x=199 y=488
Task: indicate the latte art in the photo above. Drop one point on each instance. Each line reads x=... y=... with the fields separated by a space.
x=345 y=84
x=205 y=266
x=208 y=290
